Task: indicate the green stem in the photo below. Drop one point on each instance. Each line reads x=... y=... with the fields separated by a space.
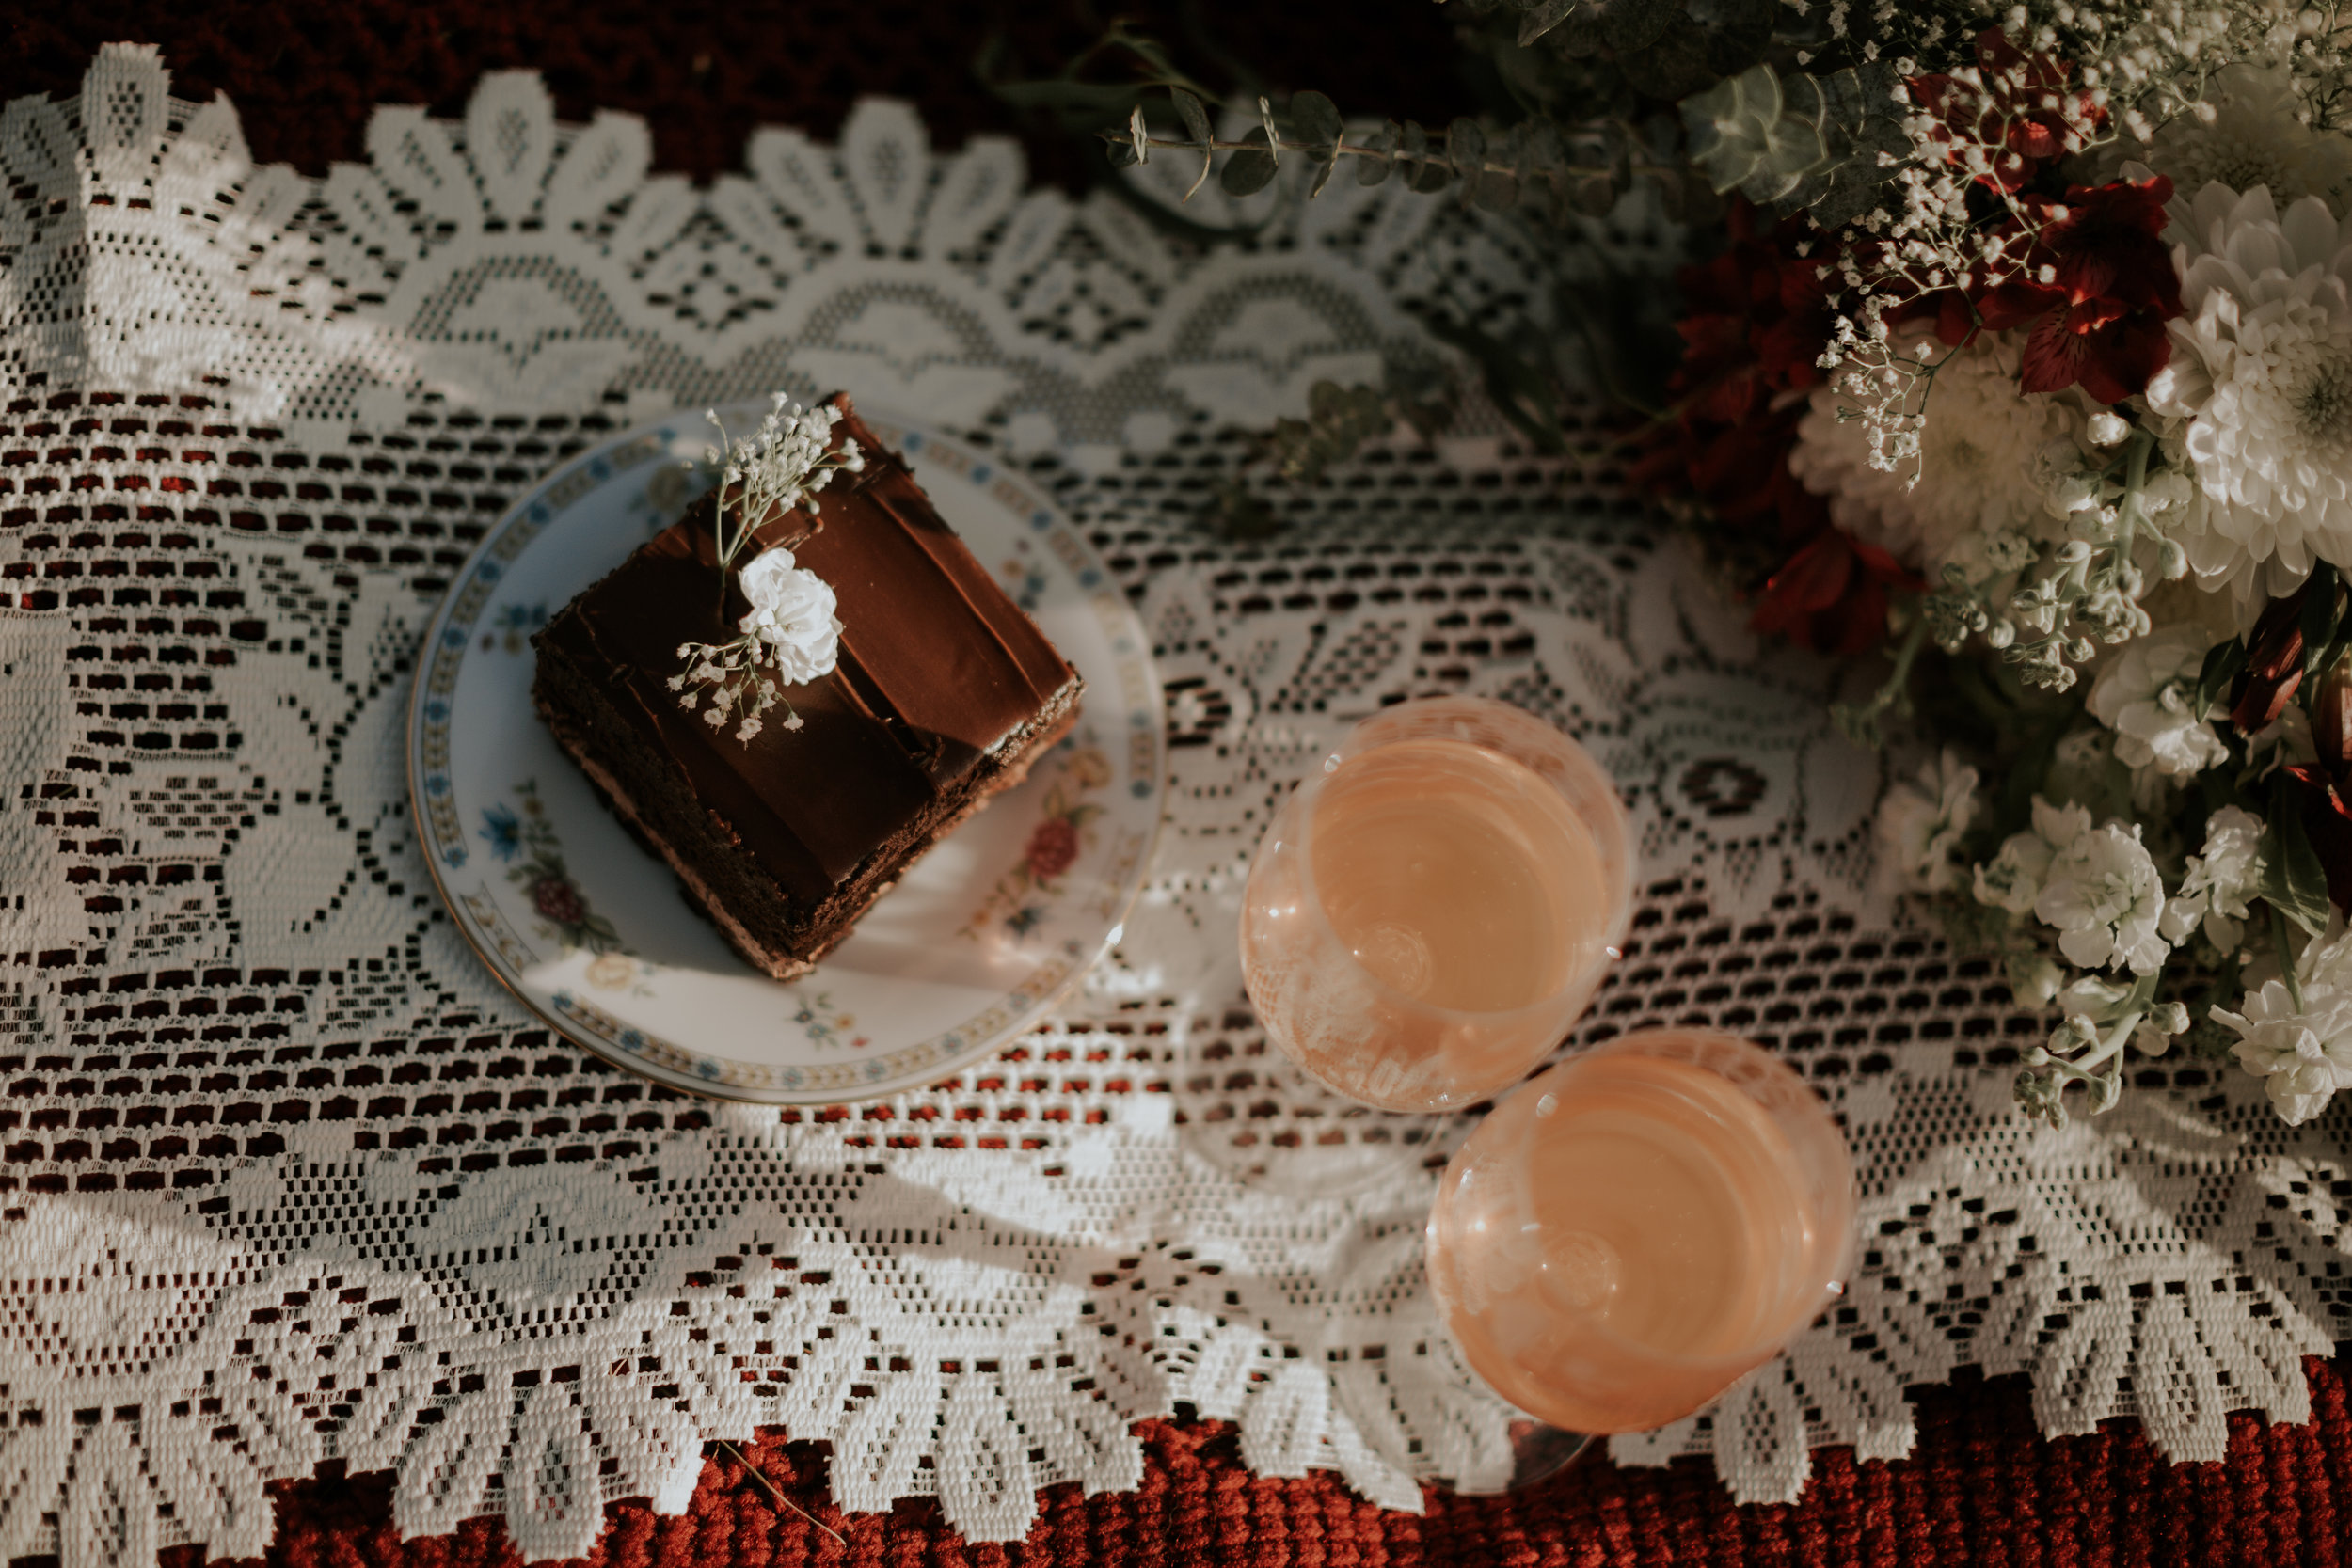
x=1353 y=149
x=1861 y=724
x=2130 y=516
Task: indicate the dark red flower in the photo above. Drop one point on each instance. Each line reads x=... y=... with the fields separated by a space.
x=2273 y=664
x=1759 y=319
x=1832 y=594
x=2099 y=317
x=558 y=900
x=2022 y=107
x=1052 y=849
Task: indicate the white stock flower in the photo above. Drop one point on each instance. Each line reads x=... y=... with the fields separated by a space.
x=2303 y=1053
x=1919 y=825
x=2246 y=134
x=791 y=615
x=2257 y=399
x=2103 y=896
x=1981 y=458
x=2144 y=695
x=2013 y=879
x=2220 y=883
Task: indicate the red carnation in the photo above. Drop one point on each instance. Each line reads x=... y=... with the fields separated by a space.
x=558 y=900
x=1052 y=849
x=2099 y=318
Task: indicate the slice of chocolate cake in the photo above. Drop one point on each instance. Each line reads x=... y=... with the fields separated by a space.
x=785 y=828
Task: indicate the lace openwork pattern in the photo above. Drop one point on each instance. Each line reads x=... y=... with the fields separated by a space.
x=284 y=1178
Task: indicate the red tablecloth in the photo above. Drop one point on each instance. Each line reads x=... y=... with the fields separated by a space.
x=1981 y=1486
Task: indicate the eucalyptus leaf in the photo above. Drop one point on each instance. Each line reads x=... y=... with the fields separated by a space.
x=1249 y=170
x=1496 y=190
x=1466 y=148
x=1316 y=119
x=1737 y=32
x=1541 y=146
x=1192 y=113
x=1542 y=18
x=1371 y=171
x=2294 y=881
x=1630 y=25
x=1592 y=195
x=1674 y=67
x=1426 y=167
x=1580 y=38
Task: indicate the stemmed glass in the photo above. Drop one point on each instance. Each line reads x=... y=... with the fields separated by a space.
x=1428 y=913
x=1630 y=1233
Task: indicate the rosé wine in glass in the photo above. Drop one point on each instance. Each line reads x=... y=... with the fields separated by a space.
x=1629 y=1234
x=1427 y=916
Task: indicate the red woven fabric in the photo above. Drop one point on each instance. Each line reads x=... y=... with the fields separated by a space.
x=1981 y=1487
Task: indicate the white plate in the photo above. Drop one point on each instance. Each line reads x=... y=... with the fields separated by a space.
x=987 y=932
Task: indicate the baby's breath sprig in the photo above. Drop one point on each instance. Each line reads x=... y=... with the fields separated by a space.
x=2047 y=607
x=789 y=636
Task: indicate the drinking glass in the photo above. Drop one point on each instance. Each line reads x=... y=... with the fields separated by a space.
x=1630 y=1233
x=1427 y=914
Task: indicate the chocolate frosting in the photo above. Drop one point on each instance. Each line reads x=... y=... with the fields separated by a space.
x=937 y=668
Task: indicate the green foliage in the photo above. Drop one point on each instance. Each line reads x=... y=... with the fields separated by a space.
x=1340 y=420
x=1823 y=145
x=1554 y=53
x=2293 y=881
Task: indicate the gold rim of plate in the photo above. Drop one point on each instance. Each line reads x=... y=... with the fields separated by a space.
x=450 y=639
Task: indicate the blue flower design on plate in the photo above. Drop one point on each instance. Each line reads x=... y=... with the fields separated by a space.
x=504 y=831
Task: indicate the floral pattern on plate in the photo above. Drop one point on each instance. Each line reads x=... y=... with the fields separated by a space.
x=1062 y=833
x=593 y=931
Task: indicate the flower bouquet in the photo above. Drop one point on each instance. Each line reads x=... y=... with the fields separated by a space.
x=2018 y=354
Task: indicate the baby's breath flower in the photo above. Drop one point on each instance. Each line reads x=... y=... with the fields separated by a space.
x=790 y=636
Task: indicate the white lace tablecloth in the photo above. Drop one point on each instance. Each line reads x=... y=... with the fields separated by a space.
x=287 y=1178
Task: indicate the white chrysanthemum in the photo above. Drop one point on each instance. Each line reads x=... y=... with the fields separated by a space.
x=1920 y=824
x=2220 y=883
x=2258 y=396
x=2246 y=134
x=2103 y=896
x=1984 y=462
x=2303 y=1053
x=791 y=615
x=2013 y=879
x=2145 y=694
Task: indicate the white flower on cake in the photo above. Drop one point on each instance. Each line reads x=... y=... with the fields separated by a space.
x=790 y=635
x=2257 y=395
x=2220 y=883
x=1920 y=824
x=1984 y=462
x=2145 y=696
x=792 y=616
x=2300 y=1045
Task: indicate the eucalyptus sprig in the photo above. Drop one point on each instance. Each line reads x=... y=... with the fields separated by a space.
x=1581 y=168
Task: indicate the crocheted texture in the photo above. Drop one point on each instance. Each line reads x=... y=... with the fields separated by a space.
x=288 y=1181
x=1982 y=1489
